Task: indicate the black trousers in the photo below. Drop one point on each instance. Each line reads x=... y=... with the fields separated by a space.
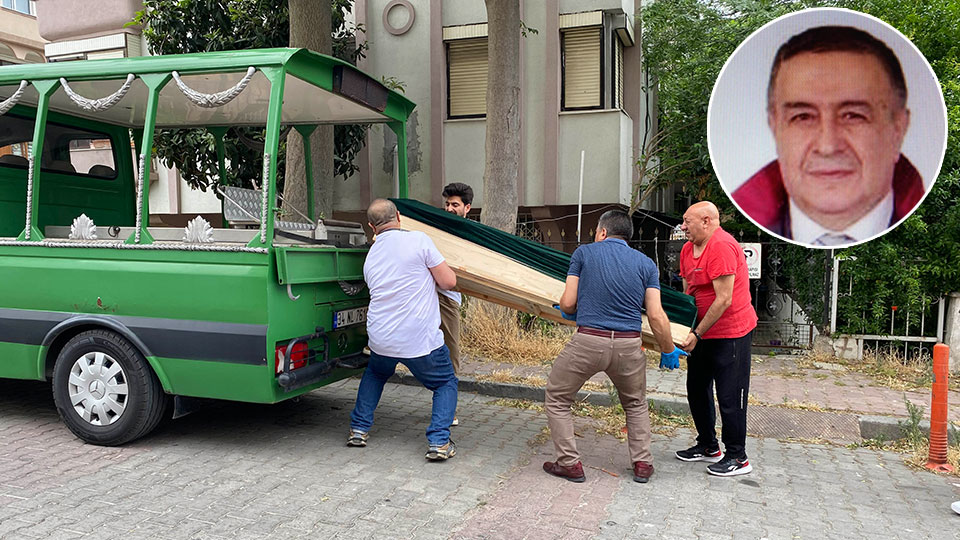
x=726 y=363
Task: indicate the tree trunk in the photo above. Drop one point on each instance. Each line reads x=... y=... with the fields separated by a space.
x=502 y=171
x=310 y=28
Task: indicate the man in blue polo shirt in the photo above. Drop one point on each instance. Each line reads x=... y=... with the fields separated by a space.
x=607 y=286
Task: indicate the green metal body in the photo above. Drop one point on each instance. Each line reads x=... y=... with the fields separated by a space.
x=208 y=319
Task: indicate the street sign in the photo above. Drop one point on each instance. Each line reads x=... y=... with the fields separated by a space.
x=752 y=253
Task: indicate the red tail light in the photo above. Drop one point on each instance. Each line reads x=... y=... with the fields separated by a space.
x=298 y=356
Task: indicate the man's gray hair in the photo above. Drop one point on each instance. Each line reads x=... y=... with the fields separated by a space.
x=381 y=212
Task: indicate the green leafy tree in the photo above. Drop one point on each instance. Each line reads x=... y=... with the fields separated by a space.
x=686 y=43
x=185 y=26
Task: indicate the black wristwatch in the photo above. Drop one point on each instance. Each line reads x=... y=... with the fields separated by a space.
x=694 y=332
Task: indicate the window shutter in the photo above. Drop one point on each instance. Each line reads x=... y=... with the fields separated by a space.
x=467 y=64
x=581 y=68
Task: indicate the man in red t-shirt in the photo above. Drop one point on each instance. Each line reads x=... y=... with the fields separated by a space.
x=714 y=271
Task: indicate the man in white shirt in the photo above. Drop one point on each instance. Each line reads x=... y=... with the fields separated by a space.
x=403 y=271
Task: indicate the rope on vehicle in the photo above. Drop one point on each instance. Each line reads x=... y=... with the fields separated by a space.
x=140 y=170
x=263 y=208
x=8 y=103
x=98 y=105
x=209 y=101
x=156 y=246
x=26 y=232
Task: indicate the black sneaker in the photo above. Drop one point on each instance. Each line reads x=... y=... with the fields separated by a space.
x=730 y=467
x=700 y=453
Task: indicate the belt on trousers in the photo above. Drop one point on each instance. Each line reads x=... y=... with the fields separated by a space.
x=607 y=333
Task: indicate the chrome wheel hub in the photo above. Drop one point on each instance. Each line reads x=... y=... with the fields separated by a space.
x=98 y=388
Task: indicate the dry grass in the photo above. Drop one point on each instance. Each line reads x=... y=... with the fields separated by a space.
x=915 y=442
x=916 y=453
x=894 y=371
x=890 y=370
x=519 y=404
x=493 y=333
x=917 y=457
x=800 y=406
x=611 y=420
x=507 y=376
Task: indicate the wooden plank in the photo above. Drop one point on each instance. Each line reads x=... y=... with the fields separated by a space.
x=488 y=275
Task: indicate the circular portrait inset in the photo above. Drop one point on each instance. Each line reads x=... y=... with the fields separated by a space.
x=827 y=127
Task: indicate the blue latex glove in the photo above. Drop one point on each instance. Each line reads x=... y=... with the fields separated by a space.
x=564 y=314
x=671 y=360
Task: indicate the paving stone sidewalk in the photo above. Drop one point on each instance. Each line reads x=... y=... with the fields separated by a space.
x=776 y=381
x=283 y=471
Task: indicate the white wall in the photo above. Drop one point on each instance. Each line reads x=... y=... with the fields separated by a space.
x=465 y=142
x=599 y=134
x=406 y=57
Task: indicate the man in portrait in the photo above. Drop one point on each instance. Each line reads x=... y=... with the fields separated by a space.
x=837 y=108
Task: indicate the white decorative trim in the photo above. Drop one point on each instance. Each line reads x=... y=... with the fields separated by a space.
x=8 y=103
x=198 y=231
x=465 y=31
x=411 y=15
x=209 y=101
x=102 y=104
x=83 y=228
x=26 y=232
x=101 y=43
x=140 y=171
x=583 y=18
x=264 y=189
x=156 y=246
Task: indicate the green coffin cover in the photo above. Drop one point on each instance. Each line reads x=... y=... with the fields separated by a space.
x=680 y=307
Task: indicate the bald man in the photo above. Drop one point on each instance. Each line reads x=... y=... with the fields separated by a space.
x=403 y=271
x=714 y=271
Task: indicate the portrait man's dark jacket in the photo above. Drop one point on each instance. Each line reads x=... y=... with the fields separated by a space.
x=764 y=199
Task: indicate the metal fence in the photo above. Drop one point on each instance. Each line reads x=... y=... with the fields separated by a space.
x=784 y=335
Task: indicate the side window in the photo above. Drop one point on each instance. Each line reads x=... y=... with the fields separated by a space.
x=66 y=149
x=78 y=151
x=15 y=136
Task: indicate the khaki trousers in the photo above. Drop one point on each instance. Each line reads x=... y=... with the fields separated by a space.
x=623 y=360
x=450 y=326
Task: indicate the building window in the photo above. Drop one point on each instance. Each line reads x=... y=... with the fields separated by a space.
x=581 y=52
x=23 y=6
x=467 y=78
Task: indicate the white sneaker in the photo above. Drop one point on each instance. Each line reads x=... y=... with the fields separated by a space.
x=956 y=507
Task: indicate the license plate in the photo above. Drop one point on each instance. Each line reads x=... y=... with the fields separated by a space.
x=348 y=317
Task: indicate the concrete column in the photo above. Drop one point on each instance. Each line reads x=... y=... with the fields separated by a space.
x=951 y=329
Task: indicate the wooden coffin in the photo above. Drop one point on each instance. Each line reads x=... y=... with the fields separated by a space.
x=488 y=275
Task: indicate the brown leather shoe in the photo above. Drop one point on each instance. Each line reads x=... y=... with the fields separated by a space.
x=574 y=473
x=642 y=472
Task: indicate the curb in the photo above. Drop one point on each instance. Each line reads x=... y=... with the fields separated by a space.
x=886 y=428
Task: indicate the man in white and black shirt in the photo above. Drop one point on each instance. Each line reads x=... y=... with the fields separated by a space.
x=403 y=271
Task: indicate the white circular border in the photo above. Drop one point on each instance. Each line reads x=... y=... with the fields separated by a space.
x=791 y=24
x=411 y=12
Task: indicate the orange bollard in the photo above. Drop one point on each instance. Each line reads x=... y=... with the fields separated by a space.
x=937 y=459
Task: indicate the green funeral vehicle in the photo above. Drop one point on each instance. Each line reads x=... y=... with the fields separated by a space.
x=130 y=321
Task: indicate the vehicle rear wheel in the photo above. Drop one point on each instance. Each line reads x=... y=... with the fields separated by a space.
x=105 y=390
